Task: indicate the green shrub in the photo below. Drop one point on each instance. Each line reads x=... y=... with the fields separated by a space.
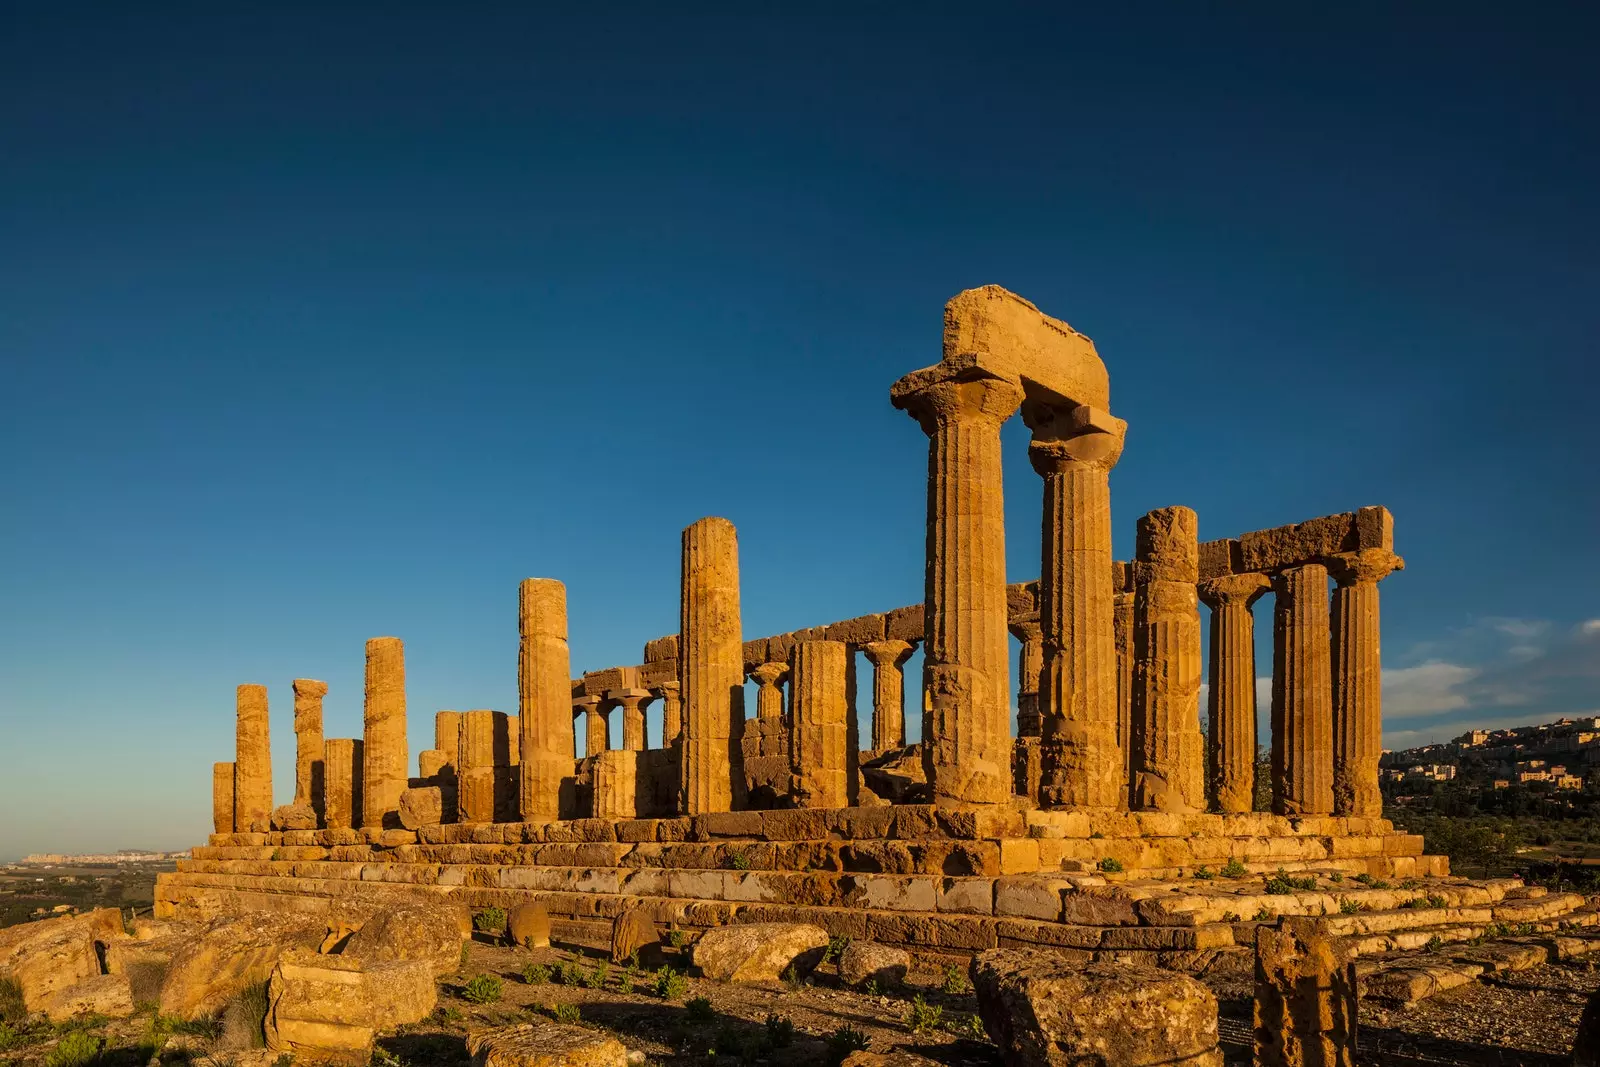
x=870 y=988
x=77 y=1049
x=1263 y=915
x=670 y=985
x=972 y=1028
x=1436 y=901
x=1336 y=877
x=955 y=981
x=843 y=1041
x=700 y=1010
x=536 y=973
x=1348 y=906
x=572 y=972
x=1203 y=873
x=598 y=977
x=1110 y=865
x=780 y=1031
x=1234 y=869
x=483 y=989
x=1096 y=836
x=923 y=1017
x=677 y=938
x=1364 y=878
x=625 y=983
x=12 y=1037
x=12 y=1009
x=565 y=1013
x=835 y=949
x=1284 y=882
x=1230 y=917
x=1434 y=942
x=739 y=861
x=490 y=921
x=447 y=1014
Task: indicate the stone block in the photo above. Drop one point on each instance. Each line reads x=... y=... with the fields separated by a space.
x=1030 y=897
x=904 y=624
x=332 y=1006
x=857 y=631
x=972 y=896
x=544 y=1043
x=759 y=952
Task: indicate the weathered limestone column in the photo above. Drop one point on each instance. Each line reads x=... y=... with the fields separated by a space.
x=888 y=692
x=447 y=734
x=544 y=697
x=671 y=713
x=1122 y=634
x=1074 y=451
x=768 y=728
x=966 y=747
x=308 y=770
x=1302 y=693
x=1231 y=749
x=222 y=798
x=252 y=764
x=1305 y=1004
x=820 y=760
x=1030 y=665
x=633 y=724
x=711 y=669
x=596 y=735
x=1357 y=680
x=616 y=785
x=384 y=738
x=1169 y=774
x=475 y=767
x=342 y=763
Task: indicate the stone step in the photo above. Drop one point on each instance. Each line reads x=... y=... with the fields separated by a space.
x=1406 y=979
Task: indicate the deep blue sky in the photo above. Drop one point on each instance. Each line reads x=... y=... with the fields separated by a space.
x=323 y=324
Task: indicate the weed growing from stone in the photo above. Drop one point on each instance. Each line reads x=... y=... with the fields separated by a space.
x=490 y=921
x=739 y=861
x=1203 y=873
x=677 y=938
x=1110 y=865
x=1230 y=916
x=1434 y=942
x=1234 y=869
x=1263 y=915
x=835 y=949
x=1348 y=906
x=1283 y=883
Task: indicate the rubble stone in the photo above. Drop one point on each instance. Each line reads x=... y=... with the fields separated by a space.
x=759 y=952
x=544 y=1043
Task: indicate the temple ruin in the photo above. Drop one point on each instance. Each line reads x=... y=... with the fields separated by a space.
x=1069 y=833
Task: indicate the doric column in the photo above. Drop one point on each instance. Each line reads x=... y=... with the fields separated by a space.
x=447 y=734
x=632 y=702
x=819 y=745
x=222 y=798
x=475 y=767
x=966 y=748
x=671 y=714
x=711 y=669
x=1231 y=747
x=1169 y=773
x=544 y=691
x=888 y=692
x=768 y=728
x=342 y=768
x=1302 y=693
x=1357 y=680
x=384 y=738
x=1074 y=451
x=597 y=736
x=1122 y=635
x=308 y=772
x=1030 y=665
x=252 y=764
x=615 y=793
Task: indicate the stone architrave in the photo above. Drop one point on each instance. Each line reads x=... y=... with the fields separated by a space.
x=822 y=772
x=1302 y=693
x=1169 y=773
x=671 y=713
x=343 y=768
x=1074 y=451
x=308 y=695
x=888 y=692
x=222 y=798
x=1231 y=741
x=768 y=729
x=475 y=767
x=1030 y=665
x=384 y=746
x=1305 y=1004
x=252 y=764
x=447 y=734
x=632 y=702
x=1357 y=680
x=544 y=692
x=596 y=735
x=966 y=745
x=711 y=669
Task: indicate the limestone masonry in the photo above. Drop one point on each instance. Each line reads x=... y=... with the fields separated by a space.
x=1069 y=836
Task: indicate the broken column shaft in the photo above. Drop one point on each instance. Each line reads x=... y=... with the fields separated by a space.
x=819 y=741
x=544 y=697
x=710 y=669
x=341 y=782
x=384 y=750
x=1169 y=772
x=252 y=765
x=308 y=771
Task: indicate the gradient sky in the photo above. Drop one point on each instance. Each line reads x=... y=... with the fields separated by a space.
x=318 y=324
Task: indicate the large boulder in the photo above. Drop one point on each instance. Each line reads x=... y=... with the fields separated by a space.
x=229 y=954
x=528 y=925
x=632 y=933
x=1586 y=1045
x=294 y=817
x=421 y=806
x=110 y=995
x=543 y=1043
x=429 y=932
x=759 y=952
x=864 y=961
x=331 y=1007
x=1044 y=1011
x=48 y=957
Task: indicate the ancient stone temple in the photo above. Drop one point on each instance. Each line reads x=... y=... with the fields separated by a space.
x=1073 y=829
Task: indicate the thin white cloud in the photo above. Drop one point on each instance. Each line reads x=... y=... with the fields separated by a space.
x=1426 y=689
x=1589 y=628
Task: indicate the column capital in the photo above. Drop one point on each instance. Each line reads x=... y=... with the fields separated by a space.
x=1234 y=589
x=1065 y=437
x=626 y=698
x=586 y=704
x=1026 y=629
x=1368 y=565
x=940 y=399
x=768 y=673
x=310 y=688
x=665 y=689
x=884 y=653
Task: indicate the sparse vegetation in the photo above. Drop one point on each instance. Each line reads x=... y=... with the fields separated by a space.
x=739 y=861
x=1234 y=869
x=1263 y=915
x=1283 y=883
x=571 y=972
x=922 y=1017
x=247 y=1013
x=490 y=921
x=565 y=1013
x=677 y=938
x=77 y=1049
x=1230 y=917
x=536 y=973
x=1203 y=873
x=12 y=1008
x=699 y=1010
x=670 y=984
x=780 y=1031
x=835 y=949
x=1348 y=906
x=1434 y=942
x=598 y=977
x=483 y=989
x=955 y=980
x=843 y=1041
x=1110 y=865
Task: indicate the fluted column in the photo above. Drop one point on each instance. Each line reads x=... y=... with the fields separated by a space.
x=222 y=798
x=966 y=750
x=308 y=769
x=1030 y=665
x=888 y=692
x=1122 y=635
x=1169 y=772
x=821 y=762
x=769 y=730
x=595 y=730
x=342 y=765
x=475 y=767
x=632 y=702
x=1231 y=747
x=1302 y=693
x=1357 y=680
x=544 y=698
x=252 y=764
x=384 y=738
x=711 y=669
x=447 y=734
x=671 y=713
x=1074 y=451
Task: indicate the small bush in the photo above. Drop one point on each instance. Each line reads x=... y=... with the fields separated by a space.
x=1110 y=865
x=1284 y=882
x=565 y=1013
x=1203 y=873
x=1435 y=901
x=447 y=1013
x=597 y=978
x=490 y=921
x=1097 y=836
x=669 y=984
x=1234 y=869
x=739 y=861
x=1348 y=906
x=699 y=1010
x=923 y=1017
x=77 y=1049
x=1380 y=884
x=571 y=973
x=780 y=1031
x=12 y=1009
x=1434 y=942
x=626 y=982
x=13 y=1037
x=677 y=938
x=1410 y=883
x=973 y=1028
x=835 y=949
x=843 y=1041
x=1263 y=915
x=246 y=1015
x=1336 y=877
x=382 y=1057
x=954 y=980
x=483 y=989
x=871 y=988
x=536 y=973
x=1230 y=916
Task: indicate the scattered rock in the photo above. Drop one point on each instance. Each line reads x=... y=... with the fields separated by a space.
x=529 y=926
x=421 y=806
x=759 y=952
x=294 y=817
x=52 y=955
x=429 y=932
x=332 y=1006
x=632 y=932
x=897 y=1058
x=544 y=1043
x=865 y=961
x=1043 y=1011
x=104 y=994
x=897 y=776
x=228 y=955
